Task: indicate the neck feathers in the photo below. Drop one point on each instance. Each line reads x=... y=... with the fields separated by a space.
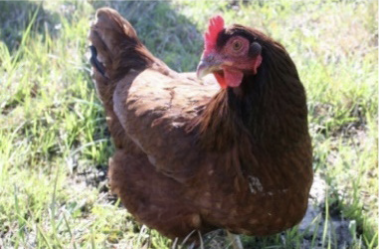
x=269 y=108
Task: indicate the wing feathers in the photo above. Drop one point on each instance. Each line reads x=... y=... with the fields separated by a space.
x=154 y=109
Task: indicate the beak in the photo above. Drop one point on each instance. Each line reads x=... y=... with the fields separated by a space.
x=207 y=65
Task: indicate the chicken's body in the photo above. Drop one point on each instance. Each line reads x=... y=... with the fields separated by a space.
x=191 y=156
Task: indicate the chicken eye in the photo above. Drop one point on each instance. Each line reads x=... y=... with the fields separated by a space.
x=237 y=45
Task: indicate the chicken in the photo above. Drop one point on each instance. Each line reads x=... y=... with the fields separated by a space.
x=229 y=151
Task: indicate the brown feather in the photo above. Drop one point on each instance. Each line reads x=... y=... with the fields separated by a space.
x=190 y=156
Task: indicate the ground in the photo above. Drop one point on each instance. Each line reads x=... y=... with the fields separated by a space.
x=55 y=146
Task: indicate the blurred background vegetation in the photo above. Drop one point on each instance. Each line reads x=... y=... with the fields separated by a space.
x=54 y=145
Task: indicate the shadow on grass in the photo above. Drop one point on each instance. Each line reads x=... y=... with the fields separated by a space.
x=15 y=17
x=169 y=35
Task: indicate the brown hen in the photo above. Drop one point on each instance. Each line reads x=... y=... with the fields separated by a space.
x=194 y=156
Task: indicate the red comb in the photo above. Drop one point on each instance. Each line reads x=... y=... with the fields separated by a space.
x=215 y=25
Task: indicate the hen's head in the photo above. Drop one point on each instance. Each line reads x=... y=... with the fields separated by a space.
x=229 y=53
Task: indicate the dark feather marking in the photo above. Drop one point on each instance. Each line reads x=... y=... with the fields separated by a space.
x=94 y=62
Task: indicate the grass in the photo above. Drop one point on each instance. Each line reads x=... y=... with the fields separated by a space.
x=55 y=146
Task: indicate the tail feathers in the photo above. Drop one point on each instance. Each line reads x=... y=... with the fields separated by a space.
x=116 y=47
x=109 y=31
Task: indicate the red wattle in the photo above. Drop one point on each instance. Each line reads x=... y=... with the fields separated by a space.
x=220 y=79
x=229 y=78
x=233 y=78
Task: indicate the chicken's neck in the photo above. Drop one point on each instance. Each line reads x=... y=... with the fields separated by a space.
x=269 y=107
